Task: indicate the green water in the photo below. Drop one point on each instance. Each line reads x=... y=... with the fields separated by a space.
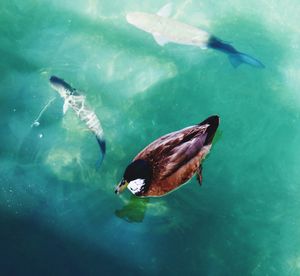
x=58 y=213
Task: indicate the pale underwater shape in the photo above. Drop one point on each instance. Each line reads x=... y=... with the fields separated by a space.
x=62 y=162
x=143 y=72
x=168 y=29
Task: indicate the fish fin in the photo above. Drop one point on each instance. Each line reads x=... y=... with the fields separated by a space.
x=239 y=58
x=235 y=60
x=199 y=175
x=166 y=10
x=160 y=39
x=65 y=107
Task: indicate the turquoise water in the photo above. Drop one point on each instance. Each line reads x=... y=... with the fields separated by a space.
x=58 y=212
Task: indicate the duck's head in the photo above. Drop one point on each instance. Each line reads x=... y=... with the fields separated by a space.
x=136 y=178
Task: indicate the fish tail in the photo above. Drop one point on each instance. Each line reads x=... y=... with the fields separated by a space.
x=238 y=58
x=102 y=145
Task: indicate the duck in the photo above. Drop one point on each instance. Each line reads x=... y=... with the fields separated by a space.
x=170 y=161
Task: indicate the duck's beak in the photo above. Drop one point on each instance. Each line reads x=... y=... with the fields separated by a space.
x=121 y=186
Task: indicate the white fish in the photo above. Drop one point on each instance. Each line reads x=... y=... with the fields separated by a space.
x=77 y=102
x=165 y=30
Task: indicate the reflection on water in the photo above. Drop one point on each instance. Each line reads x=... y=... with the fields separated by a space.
x=134 y=210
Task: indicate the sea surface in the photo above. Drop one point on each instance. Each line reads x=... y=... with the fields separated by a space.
x=58 y=211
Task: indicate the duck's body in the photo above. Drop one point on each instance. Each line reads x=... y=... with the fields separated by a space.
x=174 y=159
x=170 y=161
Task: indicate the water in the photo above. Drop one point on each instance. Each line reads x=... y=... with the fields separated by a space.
x=58 y=212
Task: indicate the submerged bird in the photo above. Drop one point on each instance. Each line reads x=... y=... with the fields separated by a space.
x=169 y=161
x=165 y=30
x=76 y=101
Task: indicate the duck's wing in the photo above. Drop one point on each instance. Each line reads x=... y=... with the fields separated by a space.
x=171 y=151
x=182 y=154
x=167 y=142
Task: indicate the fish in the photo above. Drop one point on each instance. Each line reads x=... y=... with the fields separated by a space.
x=165 y=30
x=75 y=100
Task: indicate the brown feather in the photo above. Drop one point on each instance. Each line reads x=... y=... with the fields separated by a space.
x=174 y=158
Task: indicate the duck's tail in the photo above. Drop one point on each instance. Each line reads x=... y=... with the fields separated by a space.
x=238 y=58
x=213 y=122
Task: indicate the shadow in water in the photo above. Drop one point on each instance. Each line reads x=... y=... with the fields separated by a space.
x=13 y=61
x=32 y=248
x=134 y=210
